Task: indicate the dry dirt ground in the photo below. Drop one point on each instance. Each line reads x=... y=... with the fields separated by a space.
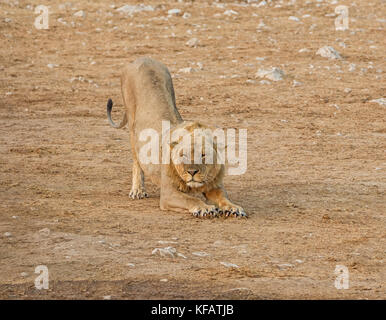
x=315 y=184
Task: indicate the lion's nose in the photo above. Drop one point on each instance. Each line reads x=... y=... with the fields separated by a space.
x=192 y=172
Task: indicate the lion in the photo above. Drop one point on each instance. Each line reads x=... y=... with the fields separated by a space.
x=149 y=99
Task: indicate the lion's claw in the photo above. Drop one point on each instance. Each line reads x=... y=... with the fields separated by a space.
x=233 y=211
x=207 y=212
x=138 y=194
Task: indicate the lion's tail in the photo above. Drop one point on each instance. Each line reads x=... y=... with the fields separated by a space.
x=112 y=123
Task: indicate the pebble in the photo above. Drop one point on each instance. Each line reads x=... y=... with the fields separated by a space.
x=229 y=265
x=174 y=12
x=200 y=254
x=7 y=234
x=274 y=74
x=328 y=52
x=293 y=18
x=165 y=252
x=131 y=9
x=380 y=101
x=192 y=42
x=230 y=12
x=45 y=232
x=80 y=14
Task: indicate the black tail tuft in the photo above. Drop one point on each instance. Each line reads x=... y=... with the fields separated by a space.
x=109 y=105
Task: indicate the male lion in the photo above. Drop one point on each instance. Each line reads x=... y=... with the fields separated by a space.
x=149 y=99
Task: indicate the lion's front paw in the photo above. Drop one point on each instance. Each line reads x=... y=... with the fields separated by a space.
x=204 y=211
x=234 y=210
x=137 y=194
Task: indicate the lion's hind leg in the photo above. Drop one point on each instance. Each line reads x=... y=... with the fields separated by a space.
x=138 y=186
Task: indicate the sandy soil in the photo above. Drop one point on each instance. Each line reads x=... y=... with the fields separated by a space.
x=315 y=184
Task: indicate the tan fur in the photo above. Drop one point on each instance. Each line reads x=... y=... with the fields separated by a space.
x=148 y=96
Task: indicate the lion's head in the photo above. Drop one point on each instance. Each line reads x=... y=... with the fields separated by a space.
x=196 y=158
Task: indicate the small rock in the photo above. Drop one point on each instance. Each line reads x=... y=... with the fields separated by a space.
x=24 y=274
x=7 y=234
x=192 y=42
x=293 y=18
x=131 y=9
x=352 y=67
x=299 y=261
x=45 y=232
x=131 y=265
x=328 y=52
x=285 y=265
x=296 y=83
x=347 y=90
x=230 y=13
x=106 y=297
x=200 y=254
x=165 y=252
x=52 y=65
x=250 y=81
x=186 y=15
x=186 y=70
x=304 y=50
x=229 y=265
x=380 y=101
x=164 y=280
x=80 y=14
x=174 y=12
x=274 y=74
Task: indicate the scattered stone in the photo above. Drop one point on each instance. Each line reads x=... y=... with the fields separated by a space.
x=299 y=261
x=164 y=280
x=45 y=232
x=7 y=234
x=200 y=254
x=230 y=13
x=293 y=18
x=380 y=101
x=352 y=67
x=186 y=15
x=250 y=81
x=192 y=42
x=304 y=50
x=328 y=52
x=174 y=12
x=106 y=297
x=131 y=9
x=52 y=65
x=24 y=274
x=131 y=265
x=167 y=252
x=200 y=65
x=274 y=74
x=347 y=90
x=80 y=14
x=296 y=83
x=285 y=265
x=186 y=70
x=229 y=265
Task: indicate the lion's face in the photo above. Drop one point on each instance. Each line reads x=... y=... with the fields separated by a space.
x=196 y=163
